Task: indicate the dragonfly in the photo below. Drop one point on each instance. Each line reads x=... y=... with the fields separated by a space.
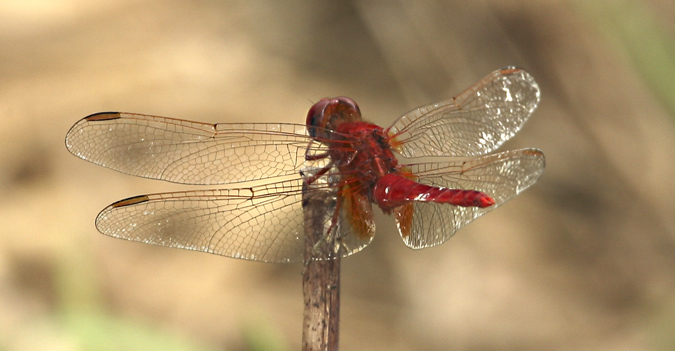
x=265 y=168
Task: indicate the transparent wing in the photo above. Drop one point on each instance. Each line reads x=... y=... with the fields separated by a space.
x=501 y=176
x=261 y=223
x=473 y=123
x=189 y=152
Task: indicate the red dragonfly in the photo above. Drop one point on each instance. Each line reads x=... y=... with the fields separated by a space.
x=335 y=152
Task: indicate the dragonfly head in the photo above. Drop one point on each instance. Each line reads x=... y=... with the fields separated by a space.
x=329 y=113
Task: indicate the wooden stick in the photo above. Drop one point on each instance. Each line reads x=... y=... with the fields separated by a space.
x=321 y=276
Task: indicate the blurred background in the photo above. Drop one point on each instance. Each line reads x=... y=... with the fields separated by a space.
x=584 y=260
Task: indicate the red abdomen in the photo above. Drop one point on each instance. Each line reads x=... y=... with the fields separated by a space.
x=394 y=190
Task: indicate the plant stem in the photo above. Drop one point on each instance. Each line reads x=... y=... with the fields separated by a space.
x=321 y=276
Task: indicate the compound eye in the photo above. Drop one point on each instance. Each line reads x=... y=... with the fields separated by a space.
x=342 y=109
x=348 y=105
x=316 y=116
x=328 y=114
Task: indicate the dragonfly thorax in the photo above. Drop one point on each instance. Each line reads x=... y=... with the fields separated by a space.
x=367 y=156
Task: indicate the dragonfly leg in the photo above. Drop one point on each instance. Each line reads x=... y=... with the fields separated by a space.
x=313 y=157
x=316 y=156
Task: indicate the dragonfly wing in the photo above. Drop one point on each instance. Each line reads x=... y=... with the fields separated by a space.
x=473 y=123
x=189 y=152
x=260 y=223
x=501 y=176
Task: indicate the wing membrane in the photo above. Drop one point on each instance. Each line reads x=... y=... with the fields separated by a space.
x=473 y=123
x=189 y=152
x=261 y=223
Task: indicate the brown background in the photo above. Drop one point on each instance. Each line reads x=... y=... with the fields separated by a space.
x=582 y=261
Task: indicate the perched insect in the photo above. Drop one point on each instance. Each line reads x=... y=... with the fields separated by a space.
x=335 y=152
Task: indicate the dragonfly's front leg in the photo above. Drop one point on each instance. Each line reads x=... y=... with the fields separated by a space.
x=314 y=157
x=309 y=179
